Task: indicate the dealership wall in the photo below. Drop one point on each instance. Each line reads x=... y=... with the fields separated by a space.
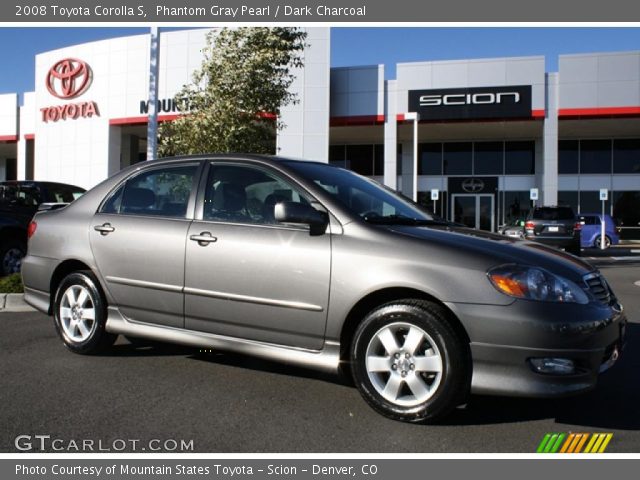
x=87 y=149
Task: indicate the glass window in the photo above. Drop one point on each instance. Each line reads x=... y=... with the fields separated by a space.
x=20 y=196
x=336 y=155
x=434 y=207
x=112 y=205
x=516 y=206
x=378 y=159
x=430 y=159
x=590 y=202
x=242 y=194
x=589 y=220
x=63 y=193
x=568 y=156
x=399 y=160
x=374 y=202
x=626 y=156
x=361 y=158
x=457 y=158
x=626 y=211
x=553 y=213
x=488 y=158
x=595 y=156
x=160 y=192
x=569 y=199
x=519 y=158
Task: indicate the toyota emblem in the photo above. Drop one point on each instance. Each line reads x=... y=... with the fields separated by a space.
x=472 y=185
x=68 y=78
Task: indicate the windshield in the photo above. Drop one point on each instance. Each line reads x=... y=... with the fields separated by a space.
x=364 y=197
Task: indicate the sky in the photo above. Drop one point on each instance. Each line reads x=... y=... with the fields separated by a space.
x=351 y=46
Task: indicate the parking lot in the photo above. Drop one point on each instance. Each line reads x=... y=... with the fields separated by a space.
x=227 y=403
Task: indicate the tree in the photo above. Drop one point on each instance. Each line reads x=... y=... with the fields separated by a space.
x=235 y=97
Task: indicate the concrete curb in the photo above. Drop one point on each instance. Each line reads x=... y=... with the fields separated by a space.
x=14 y=302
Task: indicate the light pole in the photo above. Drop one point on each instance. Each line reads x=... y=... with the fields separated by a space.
x=152 y=124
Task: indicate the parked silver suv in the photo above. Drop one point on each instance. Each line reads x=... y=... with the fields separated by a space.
x=313 y=265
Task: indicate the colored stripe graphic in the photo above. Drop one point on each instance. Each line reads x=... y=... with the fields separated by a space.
x=574 y=443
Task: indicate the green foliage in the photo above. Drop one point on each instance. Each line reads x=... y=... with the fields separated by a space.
x=246 y=73
x=11 y=284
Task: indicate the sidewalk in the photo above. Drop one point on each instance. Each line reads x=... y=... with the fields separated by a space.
x=14 y=302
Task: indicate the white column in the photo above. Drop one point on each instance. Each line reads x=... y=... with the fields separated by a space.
x=391 y=136
x=414 y=164
x=22 y=158
x=549 y=172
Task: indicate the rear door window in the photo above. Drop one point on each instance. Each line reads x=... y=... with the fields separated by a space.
x=162 y=192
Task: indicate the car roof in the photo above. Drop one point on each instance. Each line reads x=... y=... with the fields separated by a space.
x=38 y=183
x=275 y=159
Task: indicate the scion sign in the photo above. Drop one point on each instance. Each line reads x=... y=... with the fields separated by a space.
x=465 y=103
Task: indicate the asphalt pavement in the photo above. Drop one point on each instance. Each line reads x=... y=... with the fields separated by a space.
x=227 y=403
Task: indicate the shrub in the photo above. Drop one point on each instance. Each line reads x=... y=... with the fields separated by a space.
x=11 y=284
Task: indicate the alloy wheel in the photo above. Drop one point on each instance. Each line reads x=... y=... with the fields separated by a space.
x=77 y=313
x=404 y=364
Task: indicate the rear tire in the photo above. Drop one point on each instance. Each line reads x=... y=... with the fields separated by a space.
x=409 y=363
x=11 y=254
x=80 y=314
x=607 y=242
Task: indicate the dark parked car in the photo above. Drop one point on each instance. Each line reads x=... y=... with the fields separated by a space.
x=591 y=230
x=312 y=265
x=19 y=201
x=556 y=226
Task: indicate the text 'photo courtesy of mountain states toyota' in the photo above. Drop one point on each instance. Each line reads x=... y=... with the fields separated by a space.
x=315 y=266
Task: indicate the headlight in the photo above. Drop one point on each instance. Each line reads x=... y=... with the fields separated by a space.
x=534 y=283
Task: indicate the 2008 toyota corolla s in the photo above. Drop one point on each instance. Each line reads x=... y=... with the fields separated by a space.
x=313 y=265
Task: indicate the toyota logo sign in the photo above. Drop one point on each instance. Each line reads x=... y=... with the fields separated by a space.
x=473 y=185
x=68 y=78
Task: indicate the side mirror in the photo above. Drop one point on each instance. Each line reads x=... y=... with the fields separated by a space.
x=300 y=213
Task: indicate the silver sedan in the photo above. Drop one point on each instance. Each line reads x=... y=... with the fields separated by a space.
x=312 y=265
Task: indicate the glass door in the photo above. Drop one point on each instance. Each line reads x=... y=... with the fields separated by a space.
x=474 y=211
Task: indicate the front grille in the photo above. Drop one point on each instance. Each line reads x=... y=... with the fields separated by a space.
x=598 y=287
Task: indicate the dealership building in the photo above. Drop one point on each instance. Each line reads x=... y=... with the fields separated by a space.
x=478 y=141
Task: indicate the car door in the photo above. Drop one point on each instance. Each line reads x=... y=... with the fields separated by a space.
x=248 y=276
x=138 y=240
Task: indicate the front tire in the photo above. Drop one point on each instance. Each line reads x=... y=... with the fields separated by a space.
x=409 y=363
x=80 y=314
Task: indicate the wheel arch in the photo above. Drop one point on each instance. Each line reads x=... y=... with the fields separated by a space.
x=380 y=297
x=60 y=272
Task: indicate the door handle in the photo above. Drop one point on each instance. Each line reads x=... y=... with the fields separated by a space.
x=204 y=239
x=104 y=229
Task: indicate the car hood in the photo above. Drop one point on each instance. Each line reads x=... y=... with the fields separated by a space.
x=497 y=249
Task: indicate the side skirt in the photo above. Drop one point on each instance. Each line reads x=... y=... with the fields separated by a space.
x=327 y=359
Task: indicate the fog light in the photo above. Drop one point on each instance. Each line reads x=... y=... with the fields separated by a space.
x=554 y=366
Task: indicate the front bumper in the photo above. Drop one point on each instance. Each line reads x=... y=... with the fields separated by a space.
x=504 y=339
